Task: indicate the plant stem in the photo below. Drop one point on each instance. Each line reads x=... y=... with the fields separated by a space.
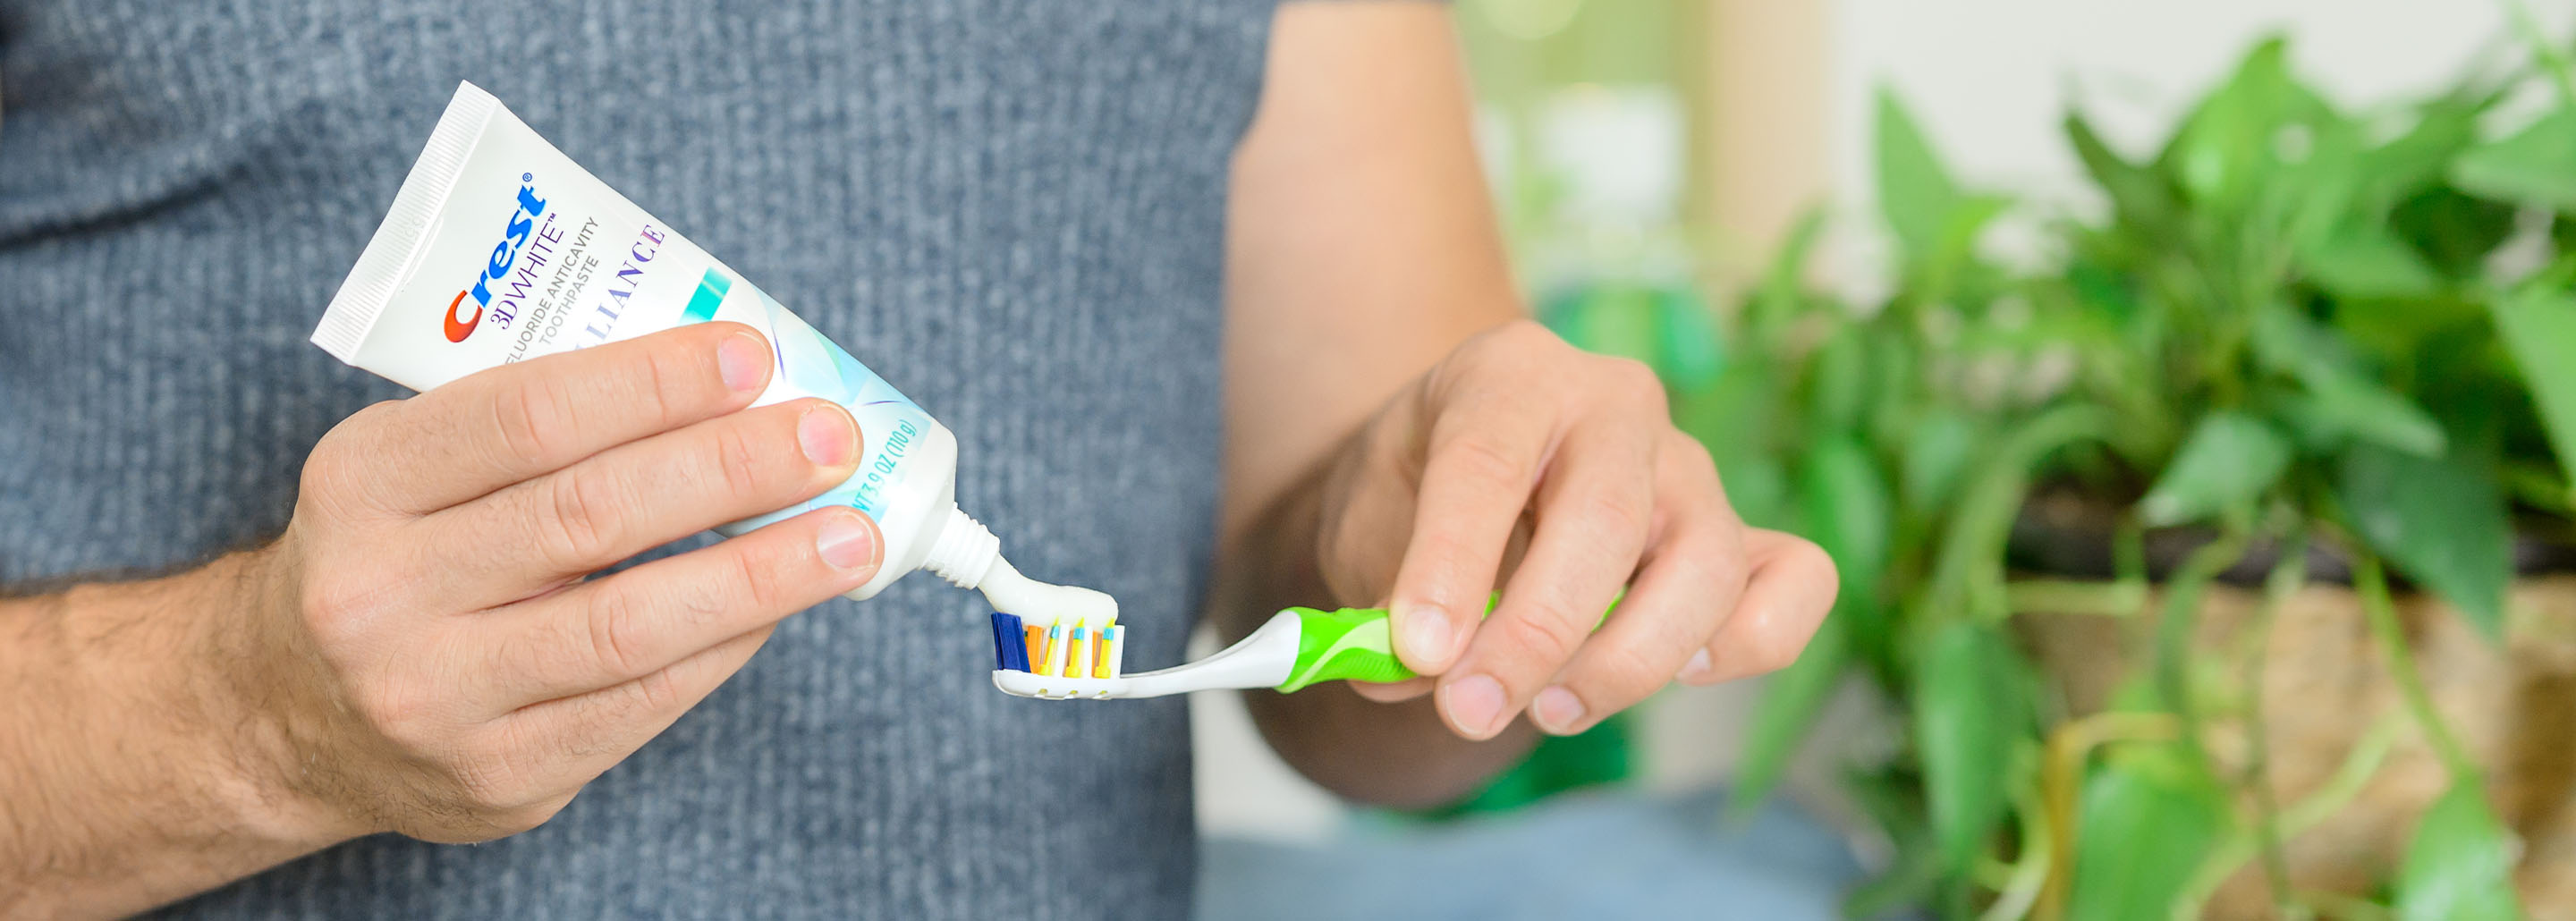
x=2289 y=574
x=2174 y=633
x=2358 y=767
x=2339 y=905
x=2371 y=582
x=2061 y=776
x=2029 y=873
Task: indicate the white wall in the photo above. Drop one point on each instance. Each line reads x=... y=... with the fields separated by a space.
x=1992 y=78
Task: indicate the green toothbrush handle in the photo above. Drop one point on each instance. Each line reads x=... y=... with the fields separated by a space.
x=1355 y=644
x=1348 y=644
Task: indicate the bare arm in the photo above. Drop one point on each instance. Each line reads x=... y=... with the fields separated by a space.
x=126 y=766
x=1397 y=434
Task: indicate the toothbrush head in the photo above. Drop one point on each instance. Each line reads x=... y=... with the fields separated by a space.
x=1058 y=653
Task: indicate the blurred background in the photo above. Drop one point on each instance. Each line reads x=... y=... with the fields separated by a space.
x=2169 y=381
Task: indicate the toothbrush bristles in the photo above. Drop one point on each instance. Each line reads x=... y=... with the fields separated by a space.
x=1077 y=653
x=1055 y=650
x=1059 y=650
x=1008 y=652
x=1113 y=646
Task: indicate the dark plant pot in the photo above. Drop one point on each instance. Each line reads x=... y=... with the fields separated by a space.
x=2065 y=534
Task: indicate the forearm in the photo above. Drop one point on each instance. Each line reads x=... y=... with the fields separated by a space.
x=1360 y=251
x=127 y=756
x=1398 y=754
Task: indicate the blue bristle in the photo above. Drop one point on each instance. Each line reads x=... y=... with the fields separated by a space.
x=1010 y=649
x=1001 y=650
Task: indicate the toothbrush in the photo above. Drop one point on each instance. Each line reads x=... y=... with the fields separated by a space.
x=1296 y=648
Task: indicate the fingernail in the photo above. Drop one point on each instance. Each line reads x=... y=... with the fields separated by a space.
x=1557 y=710
x=1426 y=635
x=1697 y=666
x=739 y=360
x=826 y=435
x=846 y=543
x=1475 y=704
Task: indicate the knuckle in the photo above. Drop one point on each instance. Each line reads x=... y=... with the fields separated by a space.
x=1619 y=513
x=1639 y=382
x=737 y=463
x=400 y=714
x=658 y=692
x=1525 y=333
x=1691 y=453
x=338 y=611
x=335 y=471
x=490 y=783
x=529 y=418
x=755 y=574
x=617 y=641
x=1479 y=460
x=579 y=517
x=1547 y=631
x=1623 y=674
x=665 y=387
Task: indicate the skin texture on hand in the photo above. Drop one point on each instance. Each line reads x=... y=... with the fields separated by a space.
x=1399 y=436
x=423 y=651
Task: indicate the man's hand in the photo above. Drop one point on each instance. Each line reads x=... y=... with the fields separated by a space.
x=1518 y=439
x=444 y=670
x=1360 y=251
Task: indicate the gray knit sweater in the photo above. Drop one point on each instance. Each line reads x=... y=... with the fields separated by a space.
x=1013 y=209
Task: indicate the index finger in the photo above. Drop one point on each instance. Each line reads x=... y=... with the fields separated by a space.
x=504 y=425
x=1479 y=470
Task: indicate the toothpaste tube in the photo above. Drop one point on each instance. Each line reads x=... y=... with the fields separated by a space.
x=499 y=248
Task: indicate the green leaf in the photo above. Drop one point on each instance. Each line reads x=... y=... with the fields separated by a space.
x=2226 y=463
x=2531 y=167
x=2142 y=831
x=2345 y=411
x=1849 y=511
x=1915 y=192
x=2366 y=260
x=1608 y=319
x=1840 y=382
x=1783 y=289
x=2346 y=401
x=2459 y=867
x=2442 y=520
x=2443 y=128
x=2538 y=326
x=1892 y=798
x=2232 y=141
x=1787 y=711
x=1692 y=351
x=2454 y=232
x=1970 y=705
x=2141 y=196
x=1937 y=451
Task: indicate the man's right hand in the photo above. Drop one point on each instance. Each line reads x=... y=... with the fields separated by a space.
x=421 y=649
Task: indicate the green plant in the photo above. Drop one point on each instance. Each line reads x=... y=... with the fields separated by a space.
x=2296 y=326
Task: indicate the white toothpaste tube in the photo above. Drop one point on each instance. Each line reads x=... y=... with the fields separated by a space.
x=499 y=249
